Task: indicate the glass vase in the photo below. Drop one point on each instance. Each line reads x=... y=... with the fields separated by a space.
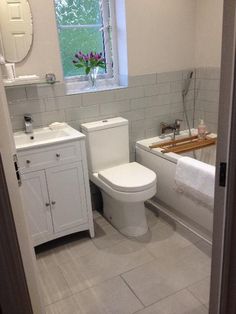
x=93 y=77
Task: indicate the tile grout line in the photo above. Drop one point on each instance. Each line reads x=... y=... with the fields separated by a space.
x=61 y=272
x=102 y=281
x=200 y=280
x=207 y=307
x=195 y=296
x=168 y=296
x=57 y=301
x=120 y=275
x=83 y=290
x=73 y=294
x=129 y=287
x=131 y=96
x=193 y=293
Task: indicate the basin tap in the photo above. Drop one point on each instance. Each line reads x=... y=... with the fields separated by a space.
x=28 y=123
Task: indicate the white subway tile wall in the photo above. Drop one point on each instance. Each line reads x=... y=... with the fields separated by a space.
x=207 y=87
x=149 y=100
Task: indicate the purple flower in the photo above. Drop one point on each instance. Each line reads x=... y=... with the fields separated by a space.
x=79 y=55
x=88 y=61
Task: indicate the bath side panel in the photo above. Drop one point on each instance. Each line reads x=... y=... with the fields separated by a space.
x=166 y=190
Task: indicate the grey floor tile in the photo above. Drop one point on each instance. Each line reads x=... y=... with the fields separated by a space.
x=53 y=257
x=201 y=290
x=180 y=303
x=148 y=283
x=81 y=247
x=65 y=306
x=105 y=234
x=53 y=284
x=75 y=247
x=167 y=275
x=154 y=268
x=112 y=296
x=86 y=271
x=164 y=241
x=75 y=276
x=131 y=246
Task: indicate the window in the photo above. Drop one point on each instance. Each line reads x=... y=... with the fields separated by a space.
x=84 y=25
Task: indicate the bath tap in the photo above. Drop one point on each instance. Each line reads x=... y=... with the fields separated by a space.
x=175 y=127
x=28 y=123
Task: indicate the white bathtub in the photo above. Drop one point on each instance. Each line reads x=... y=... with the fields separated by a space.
x=195 y=215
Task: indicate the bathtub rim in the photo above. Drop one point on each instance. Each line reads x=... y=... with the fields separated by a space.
x=172 y=157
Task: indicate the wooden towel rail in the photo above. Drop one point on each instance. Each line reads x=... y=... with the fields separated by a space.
x=185 y=144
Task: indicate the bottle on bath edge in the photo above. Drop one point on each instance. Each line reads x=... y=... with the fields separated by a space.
x=202 y=130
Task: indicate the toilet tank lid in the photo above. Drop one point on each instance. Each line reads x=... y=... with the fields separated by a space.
x=103 y=124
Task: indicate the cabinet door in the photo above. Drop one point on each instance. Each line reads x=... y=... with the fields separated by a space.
x=36 y=202
x=67 y=195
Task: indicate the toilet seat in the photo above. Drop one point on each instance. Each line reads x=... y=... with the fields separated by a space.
x=129 y=177
x=125 y=208
x=129 y=197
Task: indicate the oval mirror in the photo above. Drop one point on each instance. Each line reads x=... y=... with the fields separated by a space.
x=16 y=29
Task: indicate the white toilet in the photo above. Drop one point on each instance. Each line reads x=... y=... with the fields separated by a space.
x=125 y=185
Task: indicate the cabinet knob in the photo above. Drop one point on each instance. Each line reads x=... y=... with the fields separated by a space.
x=58 y=155
x=53 y=202
x=47 y=204
x=28 y=161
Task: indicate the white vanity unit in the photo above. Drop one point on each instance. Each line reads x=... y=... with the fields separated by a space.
x=55 y=184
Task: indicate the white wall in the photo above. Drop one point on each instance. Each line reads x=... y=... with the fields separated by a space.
x=44 y=56
x=160 y=35
x=209 y=18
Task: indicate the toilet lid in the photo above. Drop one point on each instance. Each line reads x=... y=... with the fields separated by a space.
x=131 y=177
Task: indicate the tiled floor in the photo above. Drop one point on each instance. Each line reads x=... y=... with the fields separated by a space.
x=162 y=272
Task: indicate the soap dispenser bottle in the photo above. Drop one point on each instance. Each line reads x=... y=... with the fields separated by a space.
x=202 y=130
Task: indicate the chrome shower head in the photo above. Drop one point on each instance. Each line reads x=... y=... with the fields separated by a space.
x=187 y=84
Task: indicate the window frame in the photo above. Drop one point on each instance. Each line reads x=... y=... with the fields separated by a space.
x=108 y=24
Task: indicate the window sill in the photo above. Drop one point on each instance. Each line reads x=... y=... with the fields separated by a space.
x=82 y=87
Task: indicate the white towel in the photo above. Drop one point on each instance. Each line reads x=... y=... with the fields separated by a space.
x=196 y=179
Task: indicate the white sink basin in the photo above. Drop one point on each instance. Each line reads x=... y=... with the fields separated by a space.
x=45 y=136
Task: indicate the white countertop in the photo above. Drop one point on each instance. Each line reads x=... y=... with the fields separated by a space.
x=45 y=136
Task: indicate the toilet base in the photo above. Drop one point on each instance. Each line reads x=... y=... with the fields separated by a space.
x=128 y=218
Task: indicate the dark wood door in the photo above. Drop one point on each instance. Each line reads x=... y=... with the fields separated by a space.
x=14 y=294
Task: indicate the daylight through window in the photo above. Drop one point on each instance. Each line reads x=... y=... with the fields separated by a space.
x=84 y=25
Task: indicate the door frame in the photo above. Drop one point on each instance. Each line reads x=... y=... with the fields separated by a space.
x=223 y=276
x=7 y=151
